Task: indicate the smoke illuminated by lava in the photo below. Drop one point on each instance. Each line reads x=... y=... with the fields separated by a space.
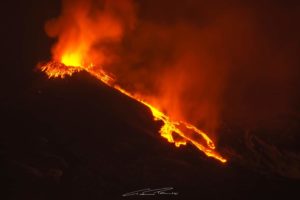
x=89 y=32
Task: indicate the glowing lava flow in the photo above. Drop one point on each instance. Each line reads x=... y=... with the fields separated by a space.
x=186 y=131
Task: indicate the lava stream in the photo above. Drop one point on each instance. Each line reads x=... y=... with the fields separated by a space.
x=56 y=69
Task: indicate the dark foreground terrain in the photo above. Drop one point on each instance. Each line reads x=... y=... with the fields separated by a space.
x=77 y=139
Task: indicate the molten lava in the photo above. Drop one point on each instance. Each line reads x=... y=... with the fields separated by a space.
x=186 y=132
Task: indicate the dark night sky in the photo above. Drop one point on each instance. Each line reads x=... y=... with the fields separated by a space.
x=49 y=153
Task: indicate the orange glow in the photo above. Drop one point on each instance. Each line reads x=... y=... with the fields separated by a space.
x=169 y=128
x=84 y=32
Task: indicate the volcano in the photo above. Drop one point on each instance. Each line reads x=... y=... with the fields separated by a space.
x=78 y=138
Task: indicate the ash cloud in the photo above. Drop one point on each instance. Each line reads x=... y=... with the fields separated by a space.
x=209 y=61
x=206 y=62
x=201 y=61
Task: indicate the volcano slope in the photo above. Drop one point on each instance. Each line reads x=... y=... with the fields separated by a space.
x=75 y=138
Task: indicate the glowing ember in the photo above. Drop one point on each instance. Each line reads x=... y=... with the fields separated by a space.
x=185 y=131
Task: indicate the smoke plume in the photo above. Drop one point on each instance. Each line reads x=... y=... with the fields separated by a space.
x=206 y=62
